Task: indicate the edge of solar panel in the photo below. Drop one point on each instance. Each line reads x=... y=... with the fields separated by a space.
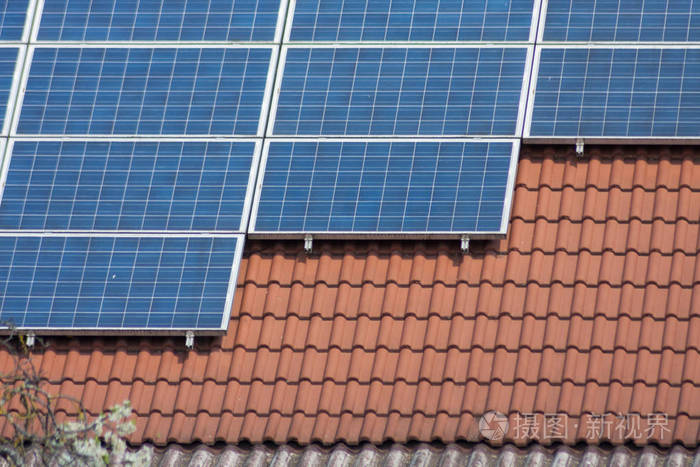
x=534 y=29
x=3 y=157
x=426 y=235
x=24 y=72
x=151 y=331
x=37 y=8
x=6 y=147
x=14 y=93
x=528 y=138
x=520 y=118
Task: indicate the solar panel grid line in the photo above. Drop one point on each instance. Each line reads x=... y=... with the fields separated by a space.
x=138 y=22
x=654 y=59
x=408 y=33
x=385 y=191
x=14 y=302
x=50 y=192
x=517 y=101
x=133 y=55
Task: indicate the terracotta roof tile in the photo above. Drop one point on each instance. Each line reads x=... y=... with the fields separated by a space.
x=591 y=305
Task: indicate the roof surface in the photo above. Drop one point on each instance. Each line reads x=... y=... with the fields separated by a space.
x=421 y=455
x=590 y=307
x=413 y=455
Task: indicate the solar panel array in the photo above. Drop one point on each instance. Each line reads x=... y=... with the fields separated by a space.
x=144 y=140
x=371 y=69
x=101 y=227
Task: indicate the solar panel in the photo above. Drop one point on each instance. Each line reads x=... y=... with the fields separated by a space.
x=622 y=20
x=128 y=185
x=13 y=14
x=411 y=20
x=400 y=91
x=159 y=20
x=333 y=187
x=117 y=283
x=617 y=92
x=145 y=91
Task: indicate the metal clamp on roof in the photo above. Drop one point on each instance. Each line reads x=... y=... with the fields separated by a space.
x=31 y=339
x=579 y=147
x=189 y=339
x=308 y=244
x=464 y=244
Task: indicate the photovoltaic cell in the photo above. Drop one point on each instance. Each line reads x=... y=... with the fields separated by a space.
x=412 y=20
x=115 y=282
x=12 y=16
x=622 y=20
x=400 y=91
x=617 y=92
x=159 y=20
x=384 y=187
x=156 y=91
x=126 y=186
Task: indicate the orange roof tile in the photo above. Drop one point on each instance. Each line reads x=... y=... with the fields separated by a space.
x=590 y=306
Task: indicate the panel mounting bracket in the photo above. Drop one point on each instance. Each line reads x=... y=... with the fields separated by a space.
x=464 y=244
x=31 y=339
x=308 y=244
x=579 y=147
x=189 y=339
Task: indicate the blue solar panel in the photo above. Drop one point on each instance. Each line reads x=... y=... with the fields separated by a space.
x=400 y=91
x=152 y=186
x=384 y=187
x=161 y=20
x=12 y=16
x=622 y=20
x=617 y=92
x=412 y=20
x=157 y=91
x=116 y=282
